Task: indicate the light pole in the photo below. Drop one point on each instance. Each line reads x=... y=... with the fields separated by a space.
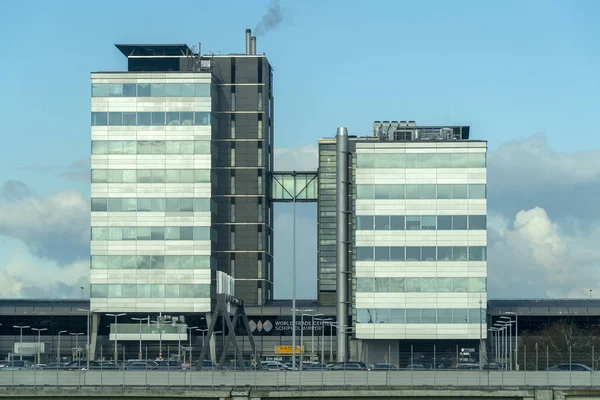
x=493 y=342
x=190 y=329
x=58 y=351
x=87 y=345
x=77 y=343
x=508 y=321
x=116 y=330
x=301 y=333
x=517 y=336
x=202 y=330
x=294 y=275
x=140 y=319
x=21 y=348
x=159 y=326
x=323 y=337
x=39 y=331
x=312 y=339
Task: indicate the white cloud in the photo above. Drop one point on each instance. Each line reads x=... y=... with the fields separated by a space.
x=534 y=257
x=25 y=275
x=54 y=227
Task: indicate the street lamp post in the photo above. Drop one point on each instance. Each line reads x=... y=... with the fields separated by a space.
x=301 y=334
x=39 y=331
x=293 y=275
x=493 y=342
x=21 y=348
x=202 y=330
x=516 y=337
x=140 y=319
x=87 y=345
x=116 y=330
x=312 y=339
x=160 y=330
x=508 y=321
x=76 y=343
x=58 y=351
x=323 y=337
x=190 y=329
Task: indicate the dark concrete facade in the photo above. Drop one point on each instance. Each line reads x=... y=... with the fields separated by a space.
x=244 y=157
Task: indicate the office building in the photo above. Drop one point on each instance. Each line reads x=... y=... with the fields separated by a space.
x=181 y=155
x=416 y=232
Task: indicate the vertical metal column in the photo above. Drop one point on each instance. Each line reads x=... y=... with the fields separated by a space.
x=342 y=212
x=294 y=277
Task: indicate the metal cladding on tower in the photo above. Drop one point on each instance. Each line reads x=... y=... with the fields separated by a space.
x=342 y=214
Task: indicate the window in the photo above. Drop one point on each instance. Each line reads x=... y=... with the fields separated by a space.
x=364 y=160
x=397 y=253
x=397 y=285
x=459 y=253
x=413 y=223
x=477 y=222
x=201 y=118
x=413 y=160
x=459 y=316
x=428 y=253
x=477 y=191
x=459 y=191
x=444 y=253
x=413 y=316
x=202 y=89
x=362 y=191
x=99 y=205
x=173 y=90
x=477 y=253
x=381 y=160
x=459 y=160
x=428 y=160
x=444 y=160
x=413 y=254
x=444 y=222
x=444 y=191
x=99 y=262
x=99 y=119
x=428 y=222
x=129 y=90
x=157 y=118
x=173 y=118
x=444 y=316
x=459 y=222
x=99 y=90
x=144 y=119
x=382 y=191
x=476 y=160
x=382 y=285
x=143 y=90
x=157 y=89
x=363 y=222
x=115 y=90
x=365 y=285
x=397 y=160
x=428 y=316
x=382 y=253
x=397 y=222
x=382 y=223
x=397 y=192
x=428 y=191
x=364 y=253
x=397 y=316
x=413 y=192
x=444 y=285
x=476 y=284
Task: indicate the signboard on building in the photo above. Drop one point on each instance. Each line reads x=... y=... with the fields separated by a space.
x=287 y=349
x=282 y=326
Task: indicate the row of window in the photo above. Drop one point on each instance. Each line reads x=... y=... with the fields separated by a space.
x=420 y=316
x=420 y=222
x=101 y=291
x=151 y=90
x=420 y=160
x=150 y=176
x=151 y=147
x=161 y=118
x=423 y=253
x=150 y=262
x=151 y=233
x=423 y=191
x=417 y=285
x=151 y=205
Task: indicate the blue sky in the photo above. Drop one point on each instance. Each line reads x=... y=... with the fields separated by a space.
x=510 y=70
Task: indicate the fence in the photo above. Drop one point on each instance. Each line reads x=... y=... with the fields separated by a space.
x=449 y=379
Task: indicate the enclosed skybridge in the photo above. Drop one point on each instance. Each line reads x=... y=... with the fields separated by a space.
x=290 y=186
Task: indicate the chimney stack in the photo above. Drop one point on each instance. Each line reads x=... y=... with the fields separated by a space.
x=253 y=45
x=248 y=41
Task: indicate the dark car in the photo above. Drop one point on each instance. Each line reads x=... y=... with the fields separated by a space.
x=570 y=367
x=318 y=367
x=169 y=365
x=384 y=367
x=81 y=364
x=55 y=365
x=16 y=365
x=108 y=365
x=141 y=365
x=206 y=365
x=415 y=367
x=349 y=366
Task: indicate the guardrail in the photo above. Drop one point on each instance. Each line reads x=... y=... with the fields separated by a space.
x=300 y=379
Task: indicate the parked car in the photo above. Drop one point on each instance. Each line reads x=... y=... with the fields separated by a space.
x=141 y=365
x=81 y=364
x=169 y=365
x=207 y=365
x=570 y=367
x=415 y=367
x=108 y=365
x=384 y=367
x=349 y=366
x=55 y=365
x=272 y=365
x=16 y=365
x=318 y=367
